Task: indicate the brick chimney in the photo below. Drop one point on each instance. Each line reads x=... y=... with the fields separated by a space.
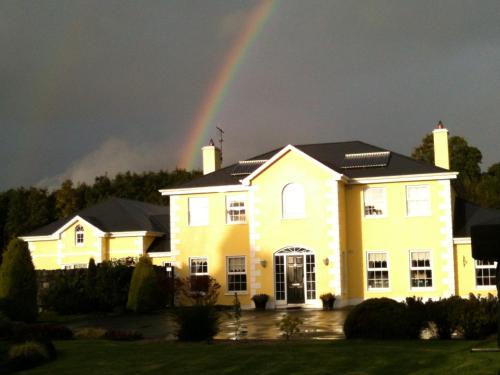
x=212 y=158
x=441 y=150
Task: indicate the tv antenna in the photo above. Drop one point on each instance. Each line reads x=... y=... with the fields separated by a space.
x=221 y=139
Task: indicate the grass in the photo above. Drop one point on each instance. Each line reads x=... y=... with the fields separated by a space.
x=271 y=357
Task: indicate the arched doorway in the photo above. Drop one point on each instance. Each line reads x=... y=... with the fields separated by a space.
x=294 y=275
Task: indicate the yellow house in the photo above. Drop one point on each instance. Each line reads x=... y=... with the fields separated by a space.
x=116 y=229
x=347 y=218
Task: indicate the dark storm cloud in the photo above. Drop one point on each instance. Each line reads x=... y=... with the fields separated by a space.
x=88 y=87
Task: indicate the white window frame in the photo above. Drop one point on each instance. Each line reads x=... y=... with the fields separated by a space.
x=383 y=203
x=79 y=235
x=375 y=269
x=293 y=204
x=240 y=215
x=191 y=259
x=229 y=273
x=422 y=268
x=426 y=212
x=198 y=211
x=490 y=267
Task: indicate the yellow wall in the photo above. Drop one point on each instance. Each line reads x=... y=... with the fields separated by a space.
x=397 y=234
x=465 y=269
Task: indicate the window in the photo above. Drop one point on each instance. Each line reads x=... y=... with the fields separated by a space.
x=378 y=270
x=236 y=274
x=420 y=269
x=279 y=272
x=198 y=266
x=199 y=279
x=310 y=276
x=293 y=201
x=375 y=203
x=485 y=273
x=79 y=235
x=235 y=209
x=198 y=211
x=418 y=200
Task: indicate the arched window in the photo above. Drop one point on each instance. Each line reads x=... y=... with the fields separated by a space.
x=79 y=235
x=292 y=198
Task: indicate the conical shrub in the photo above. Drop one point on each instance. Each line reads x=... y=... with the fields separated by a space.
x=144 y=292
x=18 y=285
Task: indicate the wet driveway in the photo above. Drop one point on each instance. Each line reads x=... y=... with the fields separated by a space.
x=254 y=325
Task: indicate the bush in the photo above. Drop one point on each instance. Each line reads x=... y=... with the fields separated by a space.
x=41 y=331
x=197 y=323
x=144 y=293
x=67 y=292
x=377 y=318
x=415 y=316
x=27 y=355
x=479 y=317
x=18 y=285
x=447 y=315
x=122 y=335
x=289 y=325
x=91 y=333
x=198 y=318
x=328 y=300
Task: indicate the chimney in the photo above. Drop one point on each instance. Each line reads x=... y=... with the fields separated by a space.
x=441 y=151
x=212 y=158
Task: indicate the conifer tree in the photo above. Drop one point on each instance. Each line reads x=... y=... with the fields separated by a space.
x=18 y=285
x=144 y=293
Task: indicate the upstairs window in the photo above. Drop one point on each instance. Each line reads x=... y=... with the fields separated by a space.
x=198 y=211
x=418 y=200
x=485 y=273
x=235 y=209
x=79 y=235
x=375 y=202
x=293 y=205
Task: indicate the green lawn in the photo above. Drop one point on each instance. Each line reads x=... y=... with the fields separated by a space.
x=296 y=357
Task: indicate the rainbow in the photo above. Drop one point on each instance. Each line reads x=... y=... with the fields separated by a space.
x=218 y=88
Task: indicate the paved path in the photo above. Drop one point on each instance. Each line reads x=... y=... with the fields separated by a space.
x=255 y=325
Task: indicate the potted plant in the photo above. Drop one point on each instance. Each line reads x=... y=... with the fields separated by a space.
x=328 y=300
x=260 y=301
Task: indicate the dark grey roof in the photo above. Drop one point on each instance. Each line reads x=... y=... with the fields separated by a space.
x=333 y=156
x=468 y=214
x=118 y=215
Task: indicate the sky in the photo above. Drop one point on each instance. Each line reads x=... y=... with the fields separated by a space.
x=94 y=87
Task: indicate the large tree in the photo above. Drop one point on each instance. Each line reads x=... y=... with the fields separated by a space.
x=464 y=159
x=18 y=285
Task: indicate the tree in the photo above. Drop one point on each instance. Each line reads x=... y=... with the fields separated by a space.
x=489 y=187
x=67 y=202
x=18 y=285
x=144 y=292
x=464 y=159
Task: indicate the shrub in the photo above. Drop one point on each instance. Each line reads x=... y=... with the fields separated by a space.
x=415 y=316
x=260 y=301
x=446 y=314
x=91 y=333
x=198 y=318
x=41 y=331
x=197 y=323
x=66 y=293
x=328 y=300
x=5 y=326
x=289 y=325
x=377 y=318
x=27 y=355
x=479 y=317
x=112 y=286
x=18 y=285
x=123 y=335
x=144 y=293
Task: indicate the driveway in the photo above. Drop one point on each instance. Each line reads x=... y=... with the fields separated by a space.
x=255 y=325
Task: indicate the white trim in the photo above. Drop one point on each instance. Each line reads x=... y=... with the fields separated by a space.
x=428 y=200
x=142 y=233
x=387 y=268
x=431 y=259
x=462 y=241
x=405 y=178
x=204 y=189
x=75 y=219
x=246 y=181
x=160 y=254
x=236 y=198
x=198 y=273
